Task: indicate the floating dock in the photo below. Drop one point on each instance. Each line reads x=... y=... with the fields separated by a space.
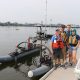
x=60 y=74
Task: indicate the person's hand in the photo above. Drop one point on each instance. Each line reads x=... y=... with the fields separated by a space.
x=68 y=46
x=76 y=47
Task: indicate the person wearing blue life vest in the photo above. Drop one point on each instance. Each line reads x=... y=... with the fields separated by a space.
x=56 y=46
x=74 y=42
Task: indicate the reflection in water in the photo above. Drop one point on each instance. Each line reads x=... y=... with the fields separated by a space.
x=17 y=68
x=22 y=66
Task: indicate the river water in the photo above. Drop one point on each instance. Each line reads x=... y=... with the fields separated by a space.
x=9 y=38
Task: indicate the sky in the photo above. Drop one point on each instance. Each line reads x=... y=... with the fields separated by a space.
x=34 y=11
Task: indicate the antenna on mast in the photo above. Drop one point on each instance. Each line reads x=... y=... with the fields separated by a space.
x=46 y=15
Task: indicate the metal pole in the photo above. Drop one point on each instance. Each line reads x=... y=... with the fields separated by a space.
x=51 y=22
x=46 y=16
x=41 y=41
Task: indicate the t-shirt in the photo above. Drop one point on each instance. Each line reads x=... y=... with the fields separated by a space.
x=67 y=33
x=54 y=38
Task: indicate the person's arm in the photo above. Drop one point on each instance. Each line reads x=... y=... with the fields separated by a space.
x=51 y=47
x=68 y=45
x=78 y=38
x=78 y=41
x=52 y=39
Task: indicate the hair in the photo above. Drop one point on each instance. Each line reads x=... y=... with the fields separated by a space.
x=74 y=31
x=69 y=25
x=57 y=30
x=62 y=26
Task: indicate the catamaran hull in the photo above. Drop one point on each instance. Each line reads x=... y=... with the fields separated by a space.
x=39 y=71
x=9 y=58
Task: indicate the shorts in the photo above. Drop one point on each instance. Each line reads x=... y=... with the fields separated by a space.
x=67 y=48
x=72 y=48
x=57 y=53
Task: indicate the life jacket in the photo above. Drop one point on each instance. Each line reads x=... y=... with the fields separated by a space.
x=57 y=43
x=60 y=43
x=73 y=40
x=64 y=36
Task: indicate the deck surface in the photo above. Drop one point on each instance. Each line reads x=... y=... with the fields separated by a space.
x=63 y=74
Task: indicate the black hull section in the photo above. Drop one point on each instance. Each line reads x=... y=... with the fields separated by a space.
x=9 y=58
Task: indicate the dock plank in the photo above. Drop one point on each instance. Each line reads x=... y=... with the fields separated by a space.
x=62 y=74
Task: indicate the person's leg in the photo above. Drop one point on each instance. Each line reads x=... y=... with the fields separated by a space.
x=55 y=61
x=57 y=58
x=74 y=60
x=70 y=57
x=67 y=54
x=64 y=54
x=60 y=56
x=59 y=62
x=67 y=57
x=54 y=57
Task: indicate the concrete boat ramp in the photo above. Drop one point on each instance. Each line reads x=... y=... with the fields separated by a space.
x=60 y=74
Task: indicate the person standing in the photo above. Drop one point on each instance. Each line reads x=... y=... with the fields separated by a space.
x=68 y=31
x=56 y=47
x=64 y=38
x=74 y=42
